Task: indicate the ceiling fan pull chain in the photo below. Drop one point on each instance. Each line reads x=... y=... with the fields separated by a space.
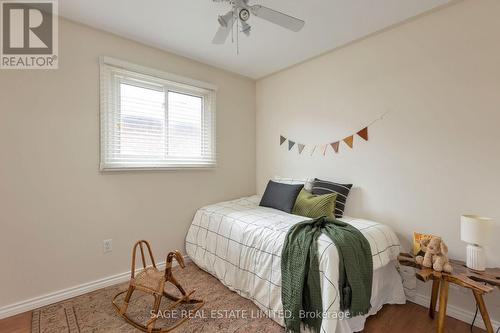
x=232 y=31
x=237 y=37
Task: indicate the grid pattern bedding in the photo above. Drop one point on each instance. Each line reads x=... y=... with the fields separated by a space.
x=240 y=243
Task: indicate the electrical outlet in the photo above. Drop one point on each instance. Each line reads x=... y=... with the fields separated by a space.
x=107 y=245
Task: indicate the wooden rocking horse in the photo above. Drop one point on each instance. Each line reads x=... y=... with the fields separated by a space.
x=152 y=281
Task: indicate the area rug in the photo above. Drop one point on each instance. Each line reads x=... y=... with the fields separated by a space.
x=224 y=311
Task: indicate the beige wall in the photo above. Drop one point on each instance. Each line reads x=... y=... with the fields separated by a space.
x=56 y=207
x=435 y=156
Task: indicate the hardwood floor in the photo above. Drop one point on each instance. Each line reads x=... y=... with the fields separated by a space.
x=411 y=318
x=16 y=324
x=408 y=318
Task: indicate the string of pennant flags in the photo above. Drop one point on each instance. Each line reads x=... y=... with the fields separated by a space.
x=322 y=148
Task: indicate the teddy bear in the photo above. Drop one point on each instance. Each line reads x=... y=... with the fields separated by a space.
x=436 y=255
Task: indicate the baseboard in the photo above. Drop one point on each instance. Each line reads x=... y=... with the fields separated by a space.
x=455 y=312
x=64 y=294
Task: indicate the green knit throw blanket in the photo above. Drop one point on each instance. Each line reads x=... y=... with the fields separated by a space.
x=301 y=290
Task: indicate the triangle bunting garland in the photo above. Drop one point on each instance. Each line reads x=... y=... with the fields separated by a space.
x=322 y=148
x=312 y=151
x=363 y=133
x=349 y=141
x=335 y=146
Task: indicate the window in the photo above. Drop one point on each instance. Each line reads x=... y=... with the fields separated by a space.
x=151 y=119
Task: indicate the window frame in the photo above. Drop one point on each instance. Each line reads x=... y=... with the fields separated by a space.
x=110 y=70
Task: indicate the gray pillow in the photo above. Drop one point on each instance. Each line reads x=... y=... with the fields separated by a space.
x=280 y=196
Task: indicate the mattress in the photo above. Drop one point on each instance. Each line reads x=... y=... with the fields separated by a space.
x=240 y=243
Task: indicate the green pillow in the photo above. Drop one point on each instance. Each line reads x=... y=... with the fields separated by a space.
x=310 y=205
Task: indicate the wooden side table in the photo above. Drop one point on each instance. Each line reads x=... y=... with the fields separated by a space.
x=479 y=283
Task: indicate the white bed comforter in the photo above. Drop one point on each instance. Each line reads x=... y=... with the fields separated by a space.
x=240 y=243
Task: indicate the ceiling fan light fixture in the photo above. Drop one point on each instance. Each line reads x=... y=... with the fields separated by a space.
x=246 y=28
x=244 y=14
x=242 y=11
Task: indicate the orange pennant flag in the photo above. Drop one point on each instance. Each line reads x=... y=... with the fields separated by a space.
x=349 y=141
x=363 y=133
x=335 y=146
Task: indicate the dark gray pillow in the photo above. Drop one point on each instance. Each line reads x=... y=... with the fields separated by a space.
x=280 y=196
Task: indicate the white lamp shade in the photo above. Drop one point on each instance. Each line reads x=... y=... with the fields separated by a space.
x=475 y=229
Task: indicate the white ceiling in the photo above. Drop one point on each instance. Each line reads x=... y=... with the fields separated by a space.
x=186 y=27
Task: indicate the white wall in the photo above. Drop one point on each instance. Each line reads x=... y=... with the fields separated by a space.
x=435 y=156
x=55 y=205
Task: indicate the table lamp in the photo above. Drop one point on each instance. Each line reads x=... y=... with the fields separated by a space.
x=475 y=230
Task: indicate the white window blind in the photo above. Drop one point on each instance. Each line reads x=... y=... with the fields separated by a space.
x=149 y=121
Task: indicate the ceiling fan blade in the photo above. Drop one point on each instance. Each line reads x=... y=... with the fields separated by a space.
x=281 y=19
x=221 y=35
x=223 y=32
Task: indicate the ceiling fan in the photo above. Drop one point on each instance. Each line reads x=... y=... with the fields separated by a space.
x=241 y=12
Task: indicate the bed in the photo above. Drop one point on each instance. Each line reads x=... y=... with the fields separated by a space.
x=240 y=243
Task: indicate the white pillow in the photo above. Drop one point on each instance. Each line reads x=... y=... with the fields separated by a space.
x=308 y=182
